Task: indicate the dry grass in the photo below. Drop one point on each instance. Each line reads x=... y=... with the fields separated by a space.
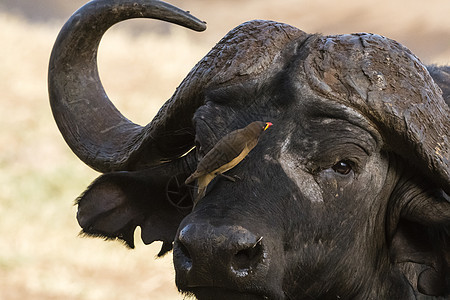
x=41 y=256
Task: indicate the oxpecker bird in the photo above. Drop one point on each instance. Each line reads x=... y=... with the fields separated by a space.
x=226 y=154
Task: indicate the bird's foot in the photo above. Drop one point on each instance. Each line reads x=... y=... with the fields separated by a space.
x=230 y=178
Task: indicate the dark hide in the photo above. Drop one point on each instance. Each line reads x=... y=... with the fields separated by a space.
x=318 y=226
x=329 y=222
x=343 y=198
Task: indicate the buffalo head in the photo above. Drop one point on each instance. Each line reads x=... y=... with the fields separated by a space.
x=346 y=197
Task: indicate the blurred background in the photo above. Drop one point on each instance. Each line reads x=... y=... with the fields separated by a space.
x=141 y=63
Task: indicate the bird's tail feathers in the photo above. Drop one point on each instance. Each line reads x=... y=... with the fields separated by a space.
x=200 y=194
x=190 y=178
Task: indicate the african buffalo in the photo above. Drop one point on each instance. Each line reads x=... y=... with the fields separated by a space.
x=345 y=197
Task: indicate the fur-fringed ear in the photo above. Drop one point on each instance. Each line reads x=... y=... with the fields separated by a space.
x=420 y=236
x=116 y=203
x=100 y=206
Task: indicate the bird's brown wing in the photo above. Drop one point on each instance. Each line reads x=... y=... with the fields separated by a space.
x=226 y=149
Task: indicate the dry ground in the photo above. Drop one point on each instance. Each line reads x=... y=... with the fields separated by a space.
x=41 y=256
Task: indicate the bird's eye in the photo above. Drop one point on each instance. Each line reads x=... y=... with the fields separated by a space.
x=342 y=167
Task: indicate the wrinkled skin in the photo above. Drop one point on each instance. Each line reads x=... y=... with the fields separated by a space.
x=345 y=197
x=330 y=222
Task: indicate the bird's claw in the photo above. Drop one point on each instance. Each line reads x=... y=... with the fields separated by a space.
x=230 y=178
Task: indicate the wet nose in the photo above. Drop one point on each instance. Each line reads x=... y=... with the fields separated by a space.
x=206 y=255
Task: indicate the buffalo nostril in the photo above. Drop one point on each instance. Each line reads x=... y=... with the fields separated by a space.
x=206 y=255
x=245 y=261
x=183 y=255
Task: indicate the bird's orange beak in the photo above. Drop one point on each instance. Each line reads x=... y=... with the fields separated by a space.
x=268 y=124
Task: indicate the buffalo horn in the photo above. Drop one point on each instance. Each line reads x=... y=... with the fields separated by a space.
x=385 y=82
x=91 y=125
x=95 y=129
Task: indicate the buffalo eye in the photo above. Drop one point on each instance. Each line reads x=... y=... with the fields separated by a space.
x=342 y=167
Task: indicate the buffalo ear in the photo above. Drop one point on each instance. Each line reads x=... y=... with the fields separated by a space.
x=116 y=203
x=421 y=240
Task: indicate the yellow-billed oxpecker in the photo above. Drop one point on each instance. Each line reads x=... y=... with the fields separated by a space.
x=226 y=154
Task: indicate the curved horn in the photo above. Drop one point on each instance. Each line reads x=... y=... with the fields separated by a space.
x=95 y=129
x=91 y=125
x=441 y=75
x=388 y=84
